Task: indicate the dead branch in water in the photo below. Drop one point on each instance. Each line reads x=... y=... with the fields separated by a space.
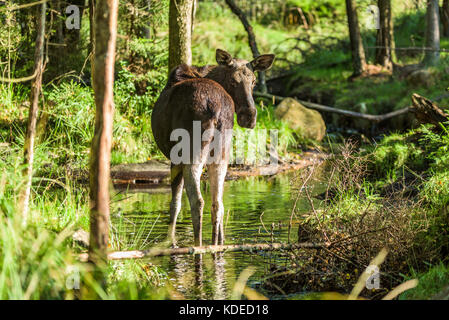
x=347 y=113
x=157 y=252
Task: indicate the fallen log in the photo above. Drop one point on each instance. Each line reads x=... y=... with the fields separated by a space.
x=347 y=113
x=427 y=111
x=158 y=252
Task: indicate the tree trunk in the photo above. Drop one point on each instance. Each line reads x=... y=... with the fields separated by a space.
x=385 y=36
x=146 y=30
x=105 y=29
x=432 y=33
x=91 y=45
x=262 y=86
x=445 y=18
x=73 y=36
x=180 y=33
x=358 y=52
x=32 y=116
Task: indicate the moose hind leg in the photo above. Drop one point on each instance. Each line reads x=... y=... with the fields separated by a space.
x=217 y=174
x=177 y=182
x=192 y=177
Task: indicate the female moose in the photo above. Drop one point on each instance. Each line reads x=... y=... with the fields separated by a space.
x=206 y=97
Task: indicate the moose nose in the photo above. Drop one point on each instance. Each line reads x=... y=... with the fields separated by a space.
x=248 y=118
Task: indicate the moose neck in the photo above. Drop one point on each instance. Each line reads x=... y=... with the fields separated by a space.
x=220 y=75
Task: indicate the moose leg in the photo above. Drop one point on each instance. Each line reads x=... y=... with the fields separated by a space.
x=192 y=176
x=217 y=174
x=177 y=182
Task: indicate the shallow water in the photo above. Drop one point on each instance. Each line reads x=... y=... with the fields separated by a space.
x=253 y=207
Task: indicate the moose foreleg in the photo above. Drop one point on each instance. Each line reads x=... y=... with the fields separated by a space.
x=192 y=176
x=177 y=183
x=217 y=174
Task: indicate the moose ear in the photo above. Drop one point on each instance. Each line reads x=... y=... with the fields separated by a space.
x=263 y=62
x=223 y=57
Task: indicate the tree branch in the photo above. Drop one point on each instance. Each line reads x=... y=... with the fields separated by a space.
x=347 y=113
x=156 y=252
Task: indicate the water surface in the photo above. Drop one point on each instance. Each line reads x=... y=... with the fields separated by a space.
x=257 y=210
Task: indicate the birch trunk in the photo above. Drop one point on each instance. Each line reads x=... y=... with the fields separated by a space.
x=105 y=30
x=24 y=197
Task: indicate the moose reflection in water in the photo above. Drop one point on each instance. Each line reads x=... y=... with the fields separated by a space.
x=209 y=95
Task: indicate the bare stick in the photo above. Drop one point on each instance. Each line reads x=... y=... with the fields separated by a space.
x=411 y=49
x=296 y=202
x=23 y=6
x=138 y=254
x=24 y=197
x=17 y=80
x=347 y=113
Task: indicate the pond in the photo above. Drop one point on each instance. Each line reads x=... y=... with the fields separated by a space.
x=254 y=206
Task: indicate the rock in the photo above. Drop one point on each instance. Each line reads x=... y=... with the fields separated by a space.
x=306 y=122
x=81 y=237
x=421 y=78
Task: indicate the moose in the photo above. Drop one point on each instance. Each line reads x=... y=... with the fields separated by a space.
x=207 y=96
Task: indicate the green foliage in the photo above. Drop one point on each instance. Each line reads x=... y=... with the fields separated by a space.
x=266 y=121
x=323 y=8
x=37 y=258
x=430 y=283
x=439 y=146
x=141 y=79
x=393 y=154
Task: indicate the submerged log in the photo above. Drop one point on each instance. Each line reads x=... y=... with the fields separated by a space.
x=427 y=111
x=158 y=252
x=347 y=113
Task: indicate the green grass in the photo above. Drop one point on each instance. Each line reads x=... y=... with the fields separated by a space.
x=37 y=259
x=430 y=283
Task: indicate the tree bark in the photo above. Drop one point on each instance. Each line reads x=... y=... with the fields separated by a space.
x=445 y=18
x=262 y=86
x=32 y=116
x=73 y=36
x=427 y=111
x=105 y=29
x=358 y=52
x=432 y=33
x=180 y=33
x=385 y=36
x=146 y=30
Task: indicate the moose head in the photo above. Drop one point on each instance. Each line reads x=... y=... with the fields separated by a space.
x=238 y=79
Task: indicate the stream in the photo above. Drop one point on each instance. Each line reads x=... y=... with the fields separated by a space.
x=253 y=207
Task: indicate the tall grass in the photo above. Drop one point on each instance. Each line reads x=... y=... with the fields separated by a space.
x=38 y=260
